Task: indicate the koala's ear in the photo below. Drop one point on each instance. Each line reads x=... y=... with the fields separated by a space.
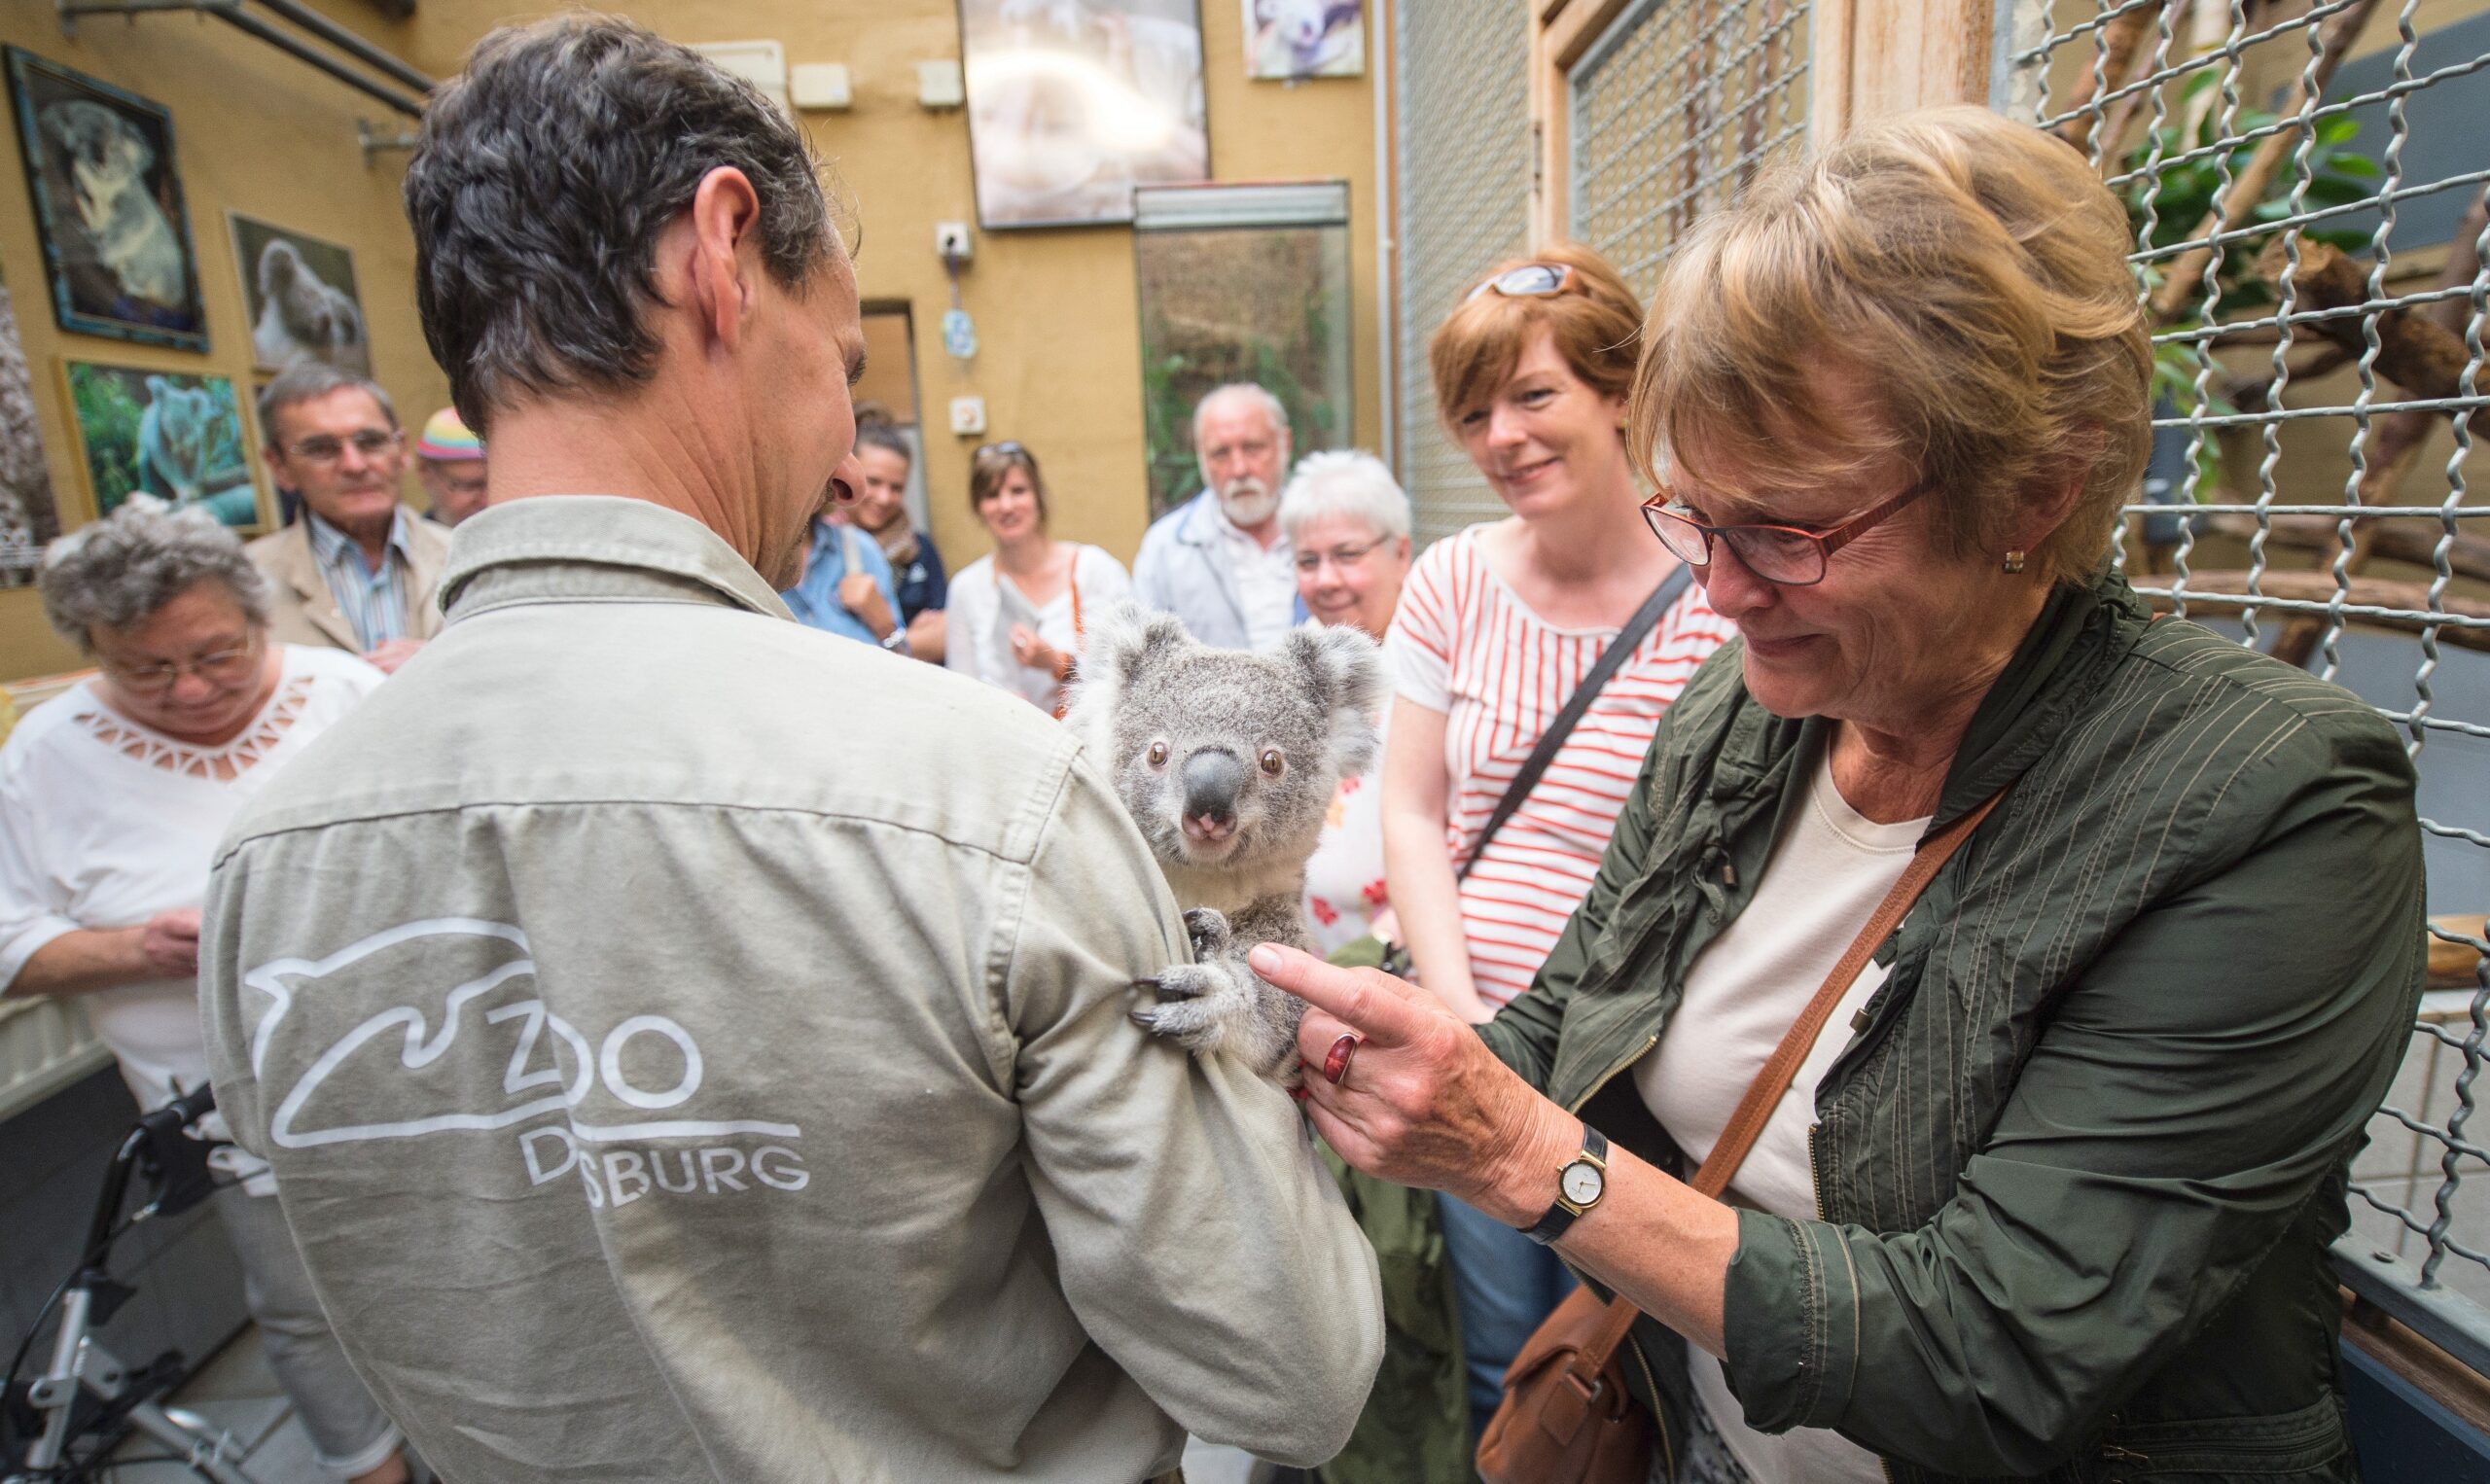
x=1344 y=671
x=1115 y=645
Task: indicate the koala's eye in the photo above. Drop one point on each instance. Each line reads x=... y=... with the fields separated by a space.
x=1272 y=761
x=1157 y=755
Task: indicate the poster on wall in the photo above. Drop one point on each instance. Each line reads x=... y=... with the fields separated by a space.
x=1071 y=103
x=28 y=517
x=301 y=297
x=1291 y=39
x=108 y=206
x=162 y=433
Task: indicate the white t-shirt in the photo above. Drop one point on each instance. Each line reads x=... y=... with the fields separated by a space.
x=984 y=605
x=105 y=823
x=1344 y=876
x=1265 y=579
x=1825 y=878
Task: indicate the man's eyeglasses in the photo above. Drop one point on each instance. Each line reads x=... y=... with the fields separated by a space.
x=1781 y=554
x=1531 y=280
x=372 y=443
x=225 y=667
x=1347 y=558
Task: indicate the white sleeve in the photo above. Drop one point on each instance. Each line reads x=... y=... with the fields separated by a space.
x=31 y=900
x=1418 y=646
x=1102 y=579
x=971 y=610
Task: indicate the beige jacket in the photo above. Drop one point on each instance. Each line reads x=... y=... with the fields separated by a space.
x=704 y=1056
x=302 y=609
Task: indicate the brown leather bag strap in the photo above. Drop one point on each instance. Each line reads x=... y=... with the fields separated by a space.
x=1764 y=1093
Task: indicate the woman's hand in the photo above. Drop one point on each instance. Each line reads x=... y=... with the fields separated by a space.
x=862 y=596
x=1035 y=653
x=1421 y=1099
x=168 y=945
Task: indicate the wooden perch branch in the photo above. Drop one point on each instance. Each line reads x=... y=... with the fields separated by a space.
x=2414 y=351
x=2120 y=56
x=2368 y=592
x=2398 y=540
x=2249 y=186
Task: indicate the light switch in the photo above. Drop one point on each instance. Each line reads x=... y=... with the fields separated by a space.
x=967 y=416
x=820 y=86
x=939 y=85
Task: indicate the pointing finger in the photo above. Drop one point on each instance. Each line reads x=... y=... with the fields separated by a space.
x=1372 y=1003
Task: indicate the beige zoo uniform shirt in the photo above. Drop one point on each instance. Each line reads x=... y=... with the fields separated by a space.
x=702 y=1055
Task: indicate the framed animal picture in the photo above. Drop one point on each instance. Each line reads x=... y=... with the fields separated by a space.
x=1071 y=103
x=1291 y=39
x=108 y=206
x=167 y=433
x=302 y=296
x=28 y=517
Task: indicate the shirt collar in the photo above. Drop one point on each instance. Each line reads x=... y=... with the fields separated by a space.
x=332 y=545
x=595 y=548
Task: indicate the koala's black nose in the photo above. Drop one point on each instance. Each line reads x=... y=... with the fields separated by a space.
x=1211 y=781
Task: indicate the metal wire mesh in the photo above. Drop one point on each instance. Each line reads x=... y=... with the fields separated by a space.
x=1673 y=112
x=1465 y=179
x=2311 y=249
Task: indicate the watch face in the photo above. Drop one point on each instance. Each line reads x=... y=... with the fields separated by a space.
x=1581 y=1183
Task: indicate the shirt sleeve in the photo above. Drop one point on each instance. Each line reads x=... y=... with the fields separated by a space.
x=1201 y=1242
x=1419 y=643
x=31 y=902
x=969 y=616
x=1102 y=580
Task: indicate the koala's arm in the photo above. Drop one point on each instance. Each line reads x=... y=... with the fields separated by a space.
x=1218 y=1004
x=1195 y=1235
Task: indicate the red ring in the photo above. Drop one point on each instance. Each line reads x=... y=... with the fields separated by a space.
x=1336 y=1062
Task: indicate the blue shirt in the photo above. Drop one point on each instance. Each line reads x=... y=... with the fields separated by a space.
x=375 y=602
x=814 y=601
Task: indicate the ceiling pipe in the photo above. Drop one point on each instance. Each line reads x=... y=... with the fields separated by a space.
x=230 y=12
x=349 y=42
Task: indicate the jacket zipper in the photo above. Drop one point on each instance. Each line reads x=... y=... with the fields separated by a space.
x=1610 y=1075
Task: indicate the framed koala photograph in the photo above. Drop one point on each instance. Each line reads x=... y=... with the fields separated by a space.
x=301 y=296
x=108 y=206
x=1285 y=40
x=169 y=434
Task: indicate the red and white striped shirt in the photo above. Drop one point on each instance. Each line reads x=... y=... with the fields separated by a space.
x=1465 y=645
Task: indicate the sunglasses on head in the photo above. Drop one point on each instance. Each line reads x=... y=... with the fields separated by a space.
x=1531 y=280
x=1009 y=447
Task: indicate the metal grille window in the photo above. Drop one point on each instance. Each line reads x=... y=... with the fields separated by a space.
x=2306 y=182
x=1673 y=111
x=1465 y=189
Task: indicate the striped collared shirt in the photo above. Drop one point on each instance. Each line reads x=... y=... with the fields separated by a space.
x=375 y=602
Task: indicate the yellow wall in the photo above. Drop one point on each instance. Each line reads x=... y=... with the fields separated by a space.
x=1059 y=361
x=254 y=131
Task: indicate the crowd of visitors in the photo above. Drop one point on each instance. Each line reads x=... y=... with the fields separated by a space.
x=663 y=1041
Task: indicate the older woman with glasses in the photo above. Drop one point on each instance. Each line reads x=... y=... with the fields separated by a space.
x=112 y=797
x=2042 y=1183
x=1016 y=615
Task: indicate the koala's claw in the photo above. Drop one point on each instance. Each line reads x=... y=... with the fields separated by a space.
x=1184 y=982
x=1207 y=927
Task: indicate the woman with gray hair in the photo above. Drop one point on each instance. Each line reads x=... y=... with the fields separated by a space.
x=1348 y=522
x=112 y=800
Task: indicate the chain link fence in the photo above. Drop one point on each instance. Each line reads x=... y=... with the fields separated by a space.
x=1465 y=179
x=1673 y=112
x=2308 y=183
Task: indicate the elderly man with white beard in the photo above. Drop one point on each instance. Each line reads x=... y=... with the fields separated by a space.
x=1219 y=561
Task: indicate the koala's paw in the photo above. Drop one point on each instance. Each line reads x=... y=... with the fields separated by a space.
x=1200 y=1005
x=1208 y=929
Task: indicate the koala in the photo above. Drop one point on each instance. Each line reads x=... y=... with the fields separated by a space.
x=1227 y=760
x=175 y=436
x=107 y=160
x=301 y=315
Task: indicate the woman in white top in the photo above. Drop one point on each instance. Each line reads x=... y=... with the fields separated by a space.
x=1348 y=522
x=1015 y=617
x=112 y=797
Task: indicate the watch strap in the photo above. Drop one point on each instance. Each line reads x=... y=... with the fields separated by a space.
x=1560 y=1215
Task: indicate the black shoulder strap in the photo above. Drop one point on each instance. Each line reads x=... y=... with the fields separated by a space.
x=1620 y=649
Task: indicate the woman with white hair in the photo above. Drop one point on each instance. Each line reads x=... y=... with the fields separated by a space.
x=1348 y=522
x=112 y=797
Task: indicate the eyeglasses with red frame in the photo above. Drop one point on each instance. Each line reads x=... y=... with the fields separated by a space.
x=1781 y=554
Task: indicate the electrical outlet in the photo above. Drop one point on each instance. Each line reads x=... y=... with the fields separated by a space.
x=951 y=240
x=967 y=416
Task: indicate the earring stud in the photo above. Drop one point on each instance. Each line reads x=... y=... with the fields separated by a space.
x=2013 y=561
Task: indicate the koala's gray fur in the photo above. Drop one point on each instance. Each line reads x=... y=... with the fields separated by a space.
x=1186 y=735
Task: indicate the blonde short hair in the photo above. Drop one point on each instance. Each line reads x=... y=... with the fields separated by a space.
x=1596 y=321
x=1971 y=273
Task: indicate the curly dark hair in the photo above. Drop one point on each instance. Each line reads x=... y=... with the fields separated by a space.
x=544 y=175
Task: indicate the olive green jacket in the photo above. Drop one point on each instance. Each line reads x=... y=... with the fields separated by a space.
x=2081 y=1161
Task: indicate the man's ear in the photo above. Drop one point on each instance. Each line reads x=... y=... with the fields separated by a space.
x=724 y=216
